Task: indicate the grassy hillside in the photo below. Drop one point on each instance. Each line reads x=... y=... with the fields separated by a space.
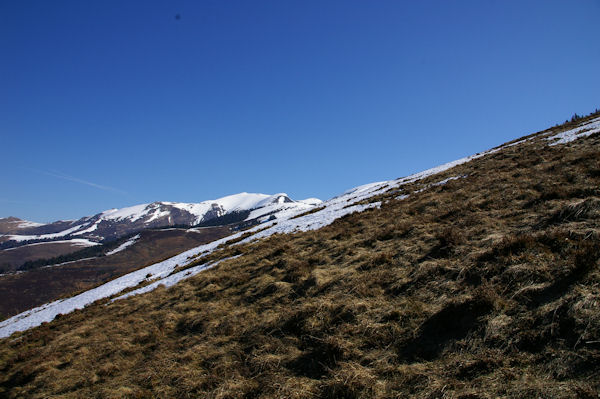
x=486 y=286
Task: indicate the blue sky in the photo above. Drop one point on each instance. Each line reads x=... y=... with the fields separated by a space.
x=108 y=103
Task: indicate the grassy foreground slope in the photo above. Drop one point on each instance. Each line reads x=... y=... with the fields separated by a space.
x=486 y=286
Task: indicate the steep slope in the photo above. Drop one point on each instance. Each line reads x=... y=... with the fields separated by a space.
x=475 y=279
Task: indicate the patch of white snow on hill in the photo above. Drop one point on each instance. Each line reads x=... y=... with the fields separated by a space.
x=25 y=223
x=333 y=209
x=71 y=261
x=198 y=210
x=310 y=201
x=88 y=230
x=274 y=199
x=311 y=221
x=126 y=244
x=441 y=168
x=365 y=188
x=80 y=242
x=63 y=233
x=440 y=183
x=584 y=130
x=174 y=278
x=280 y=210
x=157 y=214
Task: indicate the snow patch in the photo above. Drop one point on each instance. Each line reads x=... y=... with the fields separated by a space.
x=88 y=230
x=310 y=201
x=174 y=278
x=440 y=183
x=71 y=261
x=80 y=242
x=126 y=244
x=63 y=233
x=584 y=130
x=157 y=215
x=25 y=223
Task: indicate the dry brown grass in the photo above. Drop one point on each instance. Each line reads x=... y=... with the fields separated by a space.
x=485 y=287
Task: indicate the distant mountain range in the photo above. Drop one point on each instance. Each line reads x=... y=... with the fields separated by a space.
x=115 y=223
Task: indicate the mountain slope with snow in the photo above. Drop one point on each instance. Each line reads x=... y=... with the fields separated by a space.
x=115 y=223
x=290 y=220
x=478 y=278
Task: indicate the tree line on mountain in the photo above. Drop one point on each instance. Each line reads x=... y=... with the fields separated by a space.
x=576 y=117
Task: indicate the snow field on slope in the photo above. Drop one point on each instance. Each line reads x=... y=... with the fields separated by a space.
x=63 y=233
x=26 y=223
x=310 y=201
x=283 y=211
x=584 y=130
x=126 y=244
x=80 y=242
x=88 y=230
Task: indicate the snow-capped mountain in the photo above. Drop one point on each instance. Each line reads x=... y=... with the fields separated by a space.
x=115 y=223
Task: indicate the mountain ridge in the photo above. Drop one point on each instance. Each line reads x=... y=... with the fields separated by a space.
x=62 y=238
x=117 y=222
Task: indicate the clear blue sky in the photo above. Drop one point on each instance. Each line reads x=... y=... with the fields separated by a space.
x=109 y=103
